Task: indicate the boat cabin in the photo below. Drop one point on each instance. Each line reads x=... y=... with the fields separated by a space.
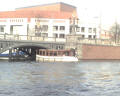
x=46 y=52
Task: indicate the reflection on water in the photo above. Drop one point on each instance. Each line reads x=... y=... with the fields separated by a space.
x=88 y=78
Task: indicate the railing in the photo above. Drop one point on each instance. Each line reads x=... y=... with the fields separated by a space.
x=31 y=38
x=52 y=39
x=91 y=41
x=97 y=41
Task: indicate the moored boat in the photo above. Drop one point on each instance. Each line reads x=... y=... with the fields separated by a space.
x=14 y=55
x=45 y=55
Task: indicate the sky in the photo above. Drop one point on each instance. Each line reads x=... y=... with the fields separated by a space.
x=107 y=9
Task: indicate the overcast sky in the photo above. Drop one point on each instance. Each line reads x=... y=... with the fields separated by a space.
x=108 y=8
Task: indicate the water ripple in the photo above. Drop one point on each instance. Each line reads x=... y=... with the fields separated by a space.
x=60 y=79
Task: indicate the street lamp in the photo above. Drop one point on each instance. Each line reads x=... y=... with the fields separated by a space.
x=74 y=24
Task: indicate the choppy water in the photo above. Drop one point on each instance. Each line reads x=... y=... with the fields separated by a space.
x=88 y=78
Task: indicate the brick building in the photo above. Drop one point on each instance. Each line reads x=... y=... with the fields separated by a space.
x=49 y=20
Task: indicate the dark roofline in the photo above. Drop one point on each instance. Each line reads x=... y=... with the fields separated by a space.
x=46 y=5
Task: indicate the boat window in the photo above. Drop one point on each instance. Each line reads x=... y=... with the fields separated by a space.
x=44 y=53
x=40 y=53
x=37 y=51
x=51 y=54
x=47 y=54
x=55 y=53
x=59 y=53
x=66 y=53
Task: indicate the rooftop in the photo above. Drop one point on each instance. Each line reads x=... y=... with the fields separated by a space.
x=46 y=5
x=55 y=11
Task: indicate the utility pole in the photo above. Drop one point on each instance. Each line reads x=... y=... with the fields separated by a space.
x=100 y=25
x=72 y=22
x=74 y=25
x=116 y=31
x=95 y=37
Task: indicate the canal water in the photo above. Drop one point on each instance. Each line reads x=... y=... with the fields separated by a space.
x=85 y=78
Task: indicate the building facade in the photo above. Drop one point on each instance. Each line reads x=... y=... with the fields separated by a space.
x=88 y=31
x=57 y=28
x=13 y=26
x=49 y=20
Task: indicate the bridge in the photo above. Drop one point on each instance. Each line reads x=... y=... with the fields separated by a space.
x=29 y=44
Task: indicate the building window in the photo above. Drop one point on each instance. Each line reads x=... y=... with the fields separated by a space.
x=83 y=36
x=89 y=36
x=78 y=29
x=79 y=38
x=70 y=29
x=90 y=30
x=62 y=36
x=44 y=34
x=59 y=47
x=94 y=36
x=62 y=28
x=45 y=27
x=36 y=28
x=38 y=34
x=55 y=35
x=94 y=30
x=55 y=28
x=82 y=29
x=2 y=28
x=41 y=28
x=11 y=29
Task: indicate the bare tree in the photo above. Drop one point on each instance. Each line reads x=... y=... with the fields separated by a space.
x=115 y=32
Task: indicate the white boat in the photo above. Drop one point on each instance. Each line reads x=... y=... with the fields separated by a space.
x=45 y=55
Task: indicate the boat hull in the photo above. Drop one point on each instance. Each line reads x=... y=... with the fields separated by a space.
x=40 y=58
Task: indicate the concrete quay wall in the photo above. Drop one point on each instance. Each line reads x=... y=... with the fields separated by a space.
x=96 y=52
